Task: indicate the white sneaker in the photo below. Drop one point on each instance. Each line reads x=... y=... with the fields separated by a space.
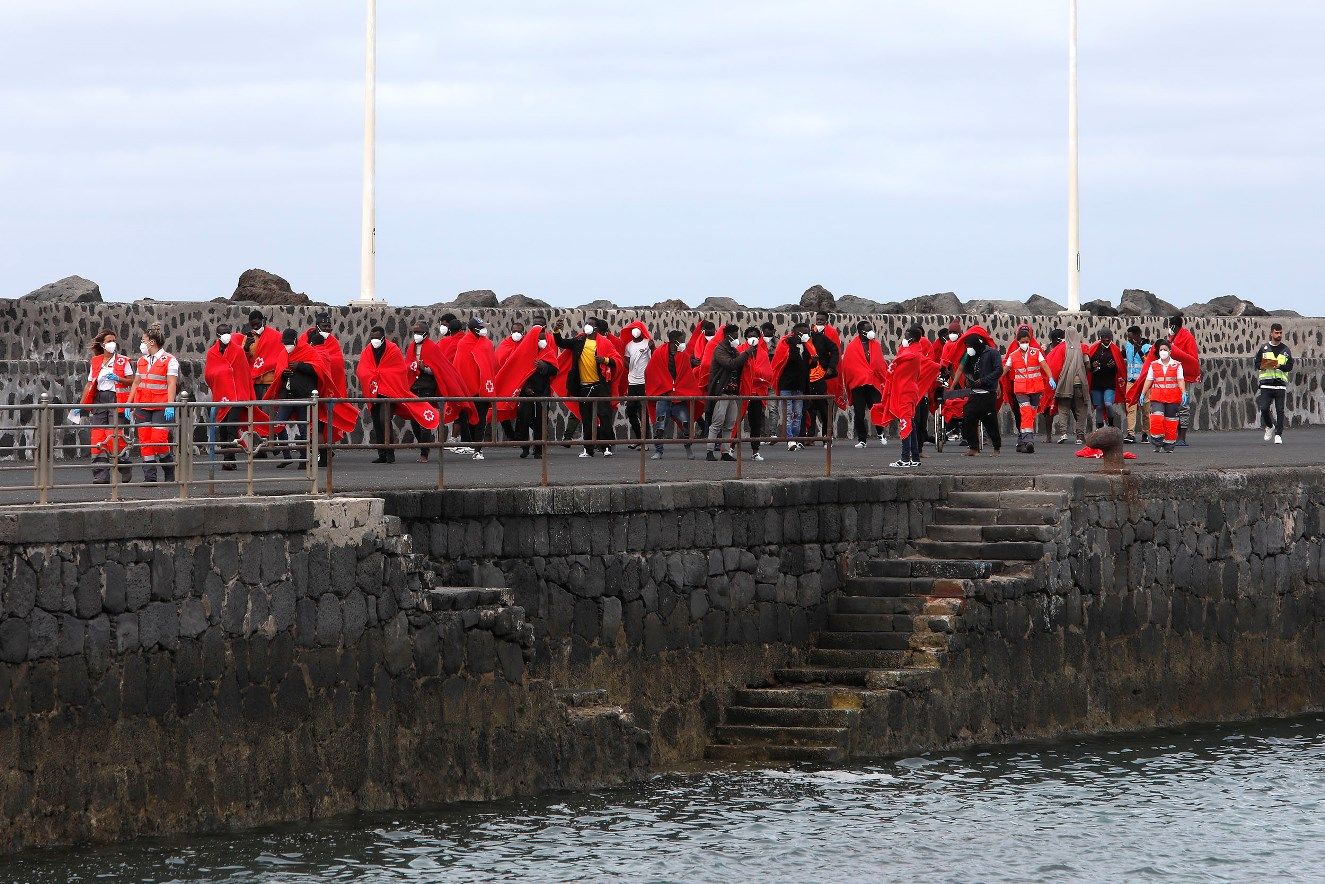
x=460 y=449
x=900 y=464
x=478 y=455
x=607 y=452
x=883 y=440
x=1269 y=433
x=655 y=456
x=791 y=446
x=585 y=454
x=758 y=456
x=913 y=464
x=860 y=444
x=1278 y=440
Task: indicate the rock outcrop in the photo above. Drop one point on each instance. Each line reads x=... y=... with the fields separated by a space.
x=942 y=303
x=818 y=298
x=261 y=287
x=71 y=289
x=671 y=304
x=1139 y=302
x=524 y=302
x=600 y=304
x=856 y=304
x=1225 y=305
x=1015 y=308
x=1099 y=308
x=719 y=303
x=477 y=299
x=1039 y=305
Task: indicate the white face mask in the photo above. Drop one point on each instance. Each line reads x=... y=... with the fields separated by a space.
x=542 y=343
x=1163 y=355
x=443 y=331
x=418 y=339
x=588 y=329
x=752 y=341
x=805 y=339
x=259 y=330
x=289 y=348
x=681 y=347
x=818 y=327
x=636 y=333
x=709 y=337
x=970 y=351
x=517 y=336
x=483 y=332
x=377 y=343
x=1025 y=348
x=952 y=336
x=735 y=342
x=142 y=348
x=225 y=338
x=109 y=347
x=324 y=334
x=871 y=335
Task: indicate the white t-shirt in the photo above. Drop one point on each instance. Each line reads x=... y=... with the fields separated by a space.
x=637 y=360
x=172 y=368
x=102 y=378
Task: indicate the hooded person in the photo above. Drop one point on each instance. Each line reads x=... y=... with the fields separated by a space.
x=913 y=373
x=383 y=374
x=1070 y=368
x=590 y=364
x=432 y=373
x=449 y=332
x=670 y=374
x=951 y=353
x=1186 y=351
x=982 y=372
x=343 y=417
x=108 y=384
x=1028 y=378
x=229 y=378
x=756 y=376
x=864 y=373
x=301 y=371
x=1108 y=377
x=263 y=347
x=527 y=373
x=636 y=345
x=506 y=411
x=476 y=363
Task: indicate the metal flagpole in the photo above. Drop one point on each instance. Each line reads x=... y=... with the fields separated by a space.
x=368 y=234
x=1073 y=189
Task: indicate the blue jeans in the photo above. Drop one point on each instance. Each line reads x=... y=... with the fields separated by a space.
x=677 y=410
x=1100 y=398
x=795 y=412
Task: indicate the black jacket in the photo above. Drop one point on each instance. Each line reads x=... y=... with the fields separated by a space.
x=574 y=385
x=725 y=371
x=795 y=375
x=828 y=354
x=986 y=372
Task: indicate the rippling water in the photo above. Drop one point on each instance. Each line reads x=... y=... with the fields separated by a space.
x=1240 y=803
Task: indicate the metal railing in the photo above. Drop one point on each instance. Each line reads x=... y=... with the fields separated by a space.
x=258 y=438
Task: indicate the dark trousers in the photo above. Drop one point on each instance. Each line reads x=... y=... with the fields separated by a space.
x=862 y=400
x=634 y=410
x=598 y=417
x=227 y=431
x=471 y=433
x=298 y=414
x=529 y=423
x=381 y=412
x=919 y=427
x=816 y=410
x=756 y=412
x=425 y=387
x=980 y=411
x=1272 y=396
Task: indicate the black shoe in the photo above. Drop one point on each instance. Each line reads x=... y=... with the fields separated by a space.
x=727 y=455
x=1030 y=448
x=1129 y=439
x=1021 y=447
x=229 y=466
x=524 y=452
x=538 y=454
x=284 y=463
x=381 y=458
x=710 y=456
x=101 y=480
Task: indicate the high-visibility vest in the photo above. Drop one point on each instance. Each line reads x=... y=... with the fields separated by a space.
x=153 y=383
x=118 y=365
x=1164 y=386
x=1027 y=375
x=1277 y=373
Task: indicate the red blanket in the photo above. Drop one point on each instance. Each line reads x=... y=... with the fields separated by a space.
x=449 y=384
x=1186 y=352
x=856 y=371
x=229 y=376
x=519 y=365
x=1120 y=385
x=344 y=417
x=913 y=375
x=388 y=378
x=476 y=361
x=267 y=352
x=659 y=380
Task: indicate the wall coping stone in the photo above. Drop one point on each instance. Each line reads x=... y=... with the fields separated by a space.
x=135 y=520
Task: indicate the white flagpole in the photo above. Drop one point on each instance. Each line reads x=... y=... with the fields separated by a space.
x=368 y=233
x=1073 y=188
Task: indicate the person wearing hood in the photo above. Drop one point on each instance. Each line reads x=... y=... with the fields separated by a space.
x=913 y=374
x=527 y=373
x=1163 y=383
x=982 y=370
x=1108 y=377
x=344 y=417
x=591 y=362
x=108 y=385
x=229 y=377
x=1031 y=382
x=791 y=374
x=864 y=371
x=670 y=374
x=262 y=345
x=951 y=352
x=637 y=346
x=1185 y=350
x=1068 y=365
x=725 y=381
x=476 y=362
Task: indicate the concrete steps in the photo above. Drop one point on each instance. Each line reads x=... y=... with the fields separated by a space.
x=982 y=551
x=950 y=515
x=864 y=641
x=853 y=622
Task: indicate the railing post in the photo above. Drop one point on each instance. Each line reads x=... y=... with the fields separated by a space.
x=117 y=442
x=643 y=446
x=828 y=437
x=183 y=444
x=311 y=443
x=545 y=409
x=43 y=432
x=736 y=434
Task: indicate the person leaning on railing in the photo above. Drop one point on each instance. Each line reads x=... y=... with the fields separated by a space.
x=152 y=393
x=107 y=385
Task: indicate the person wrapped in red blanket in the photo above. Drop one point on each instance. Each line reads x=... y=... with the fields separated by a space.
x=671 y=373
x=590 y=372
x=229 y=376
x=384 y=374
x=912 y=375
x=951 y=351
x=432 y=373
x=476 y=363
x=1188 y=354
x=756 y=378
x=864 y=373
x=344 y=417
x=528 y=372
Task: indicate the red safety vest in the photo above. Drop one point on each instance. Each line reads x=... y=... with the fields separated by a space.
x=1164 y=382
x=118 y=365
x=153 y=383
x=1027 y=376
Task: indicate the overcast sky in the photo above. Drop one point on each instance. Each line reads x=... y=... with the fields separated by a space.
x=598 y=148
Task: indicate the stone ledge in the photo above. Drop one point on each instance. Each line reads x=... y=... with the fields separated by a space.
x=93 y=522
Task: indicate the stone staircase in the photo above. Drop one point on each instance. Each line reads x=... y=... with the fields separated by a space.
x=891 y=629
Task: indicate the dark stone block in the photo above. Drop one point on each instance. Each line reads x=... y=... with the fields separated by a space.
x=511 y=660
x=587 y=623
x=611 y=619
x=451 y=637
x=21 y=592
x=133 y=689
x=396 y=645
x=654 y=636
x=306 y=620
x=41 y=686
x=71 y=636
x=480 y=651
x=15 y=641
x=328 y=620
x=87 y=598
x=43 y=635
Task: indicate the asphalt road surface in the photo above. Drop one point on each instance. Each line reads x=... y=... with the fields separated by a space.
x=503 y=468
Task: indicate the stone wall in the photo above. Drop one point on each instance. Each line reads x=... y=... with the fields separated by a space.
x=43 y=345
x=217 y=665
x=1172 y=600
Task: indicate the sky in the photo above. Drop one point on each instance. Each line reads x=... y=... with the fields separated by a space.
x=588 y=149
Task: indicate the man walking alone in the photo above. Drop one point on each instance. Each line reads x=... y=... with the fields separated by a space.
x=1273 y=362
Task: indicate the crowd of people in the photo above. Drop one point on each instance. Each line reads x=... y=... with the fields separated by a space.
x=696 y=386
